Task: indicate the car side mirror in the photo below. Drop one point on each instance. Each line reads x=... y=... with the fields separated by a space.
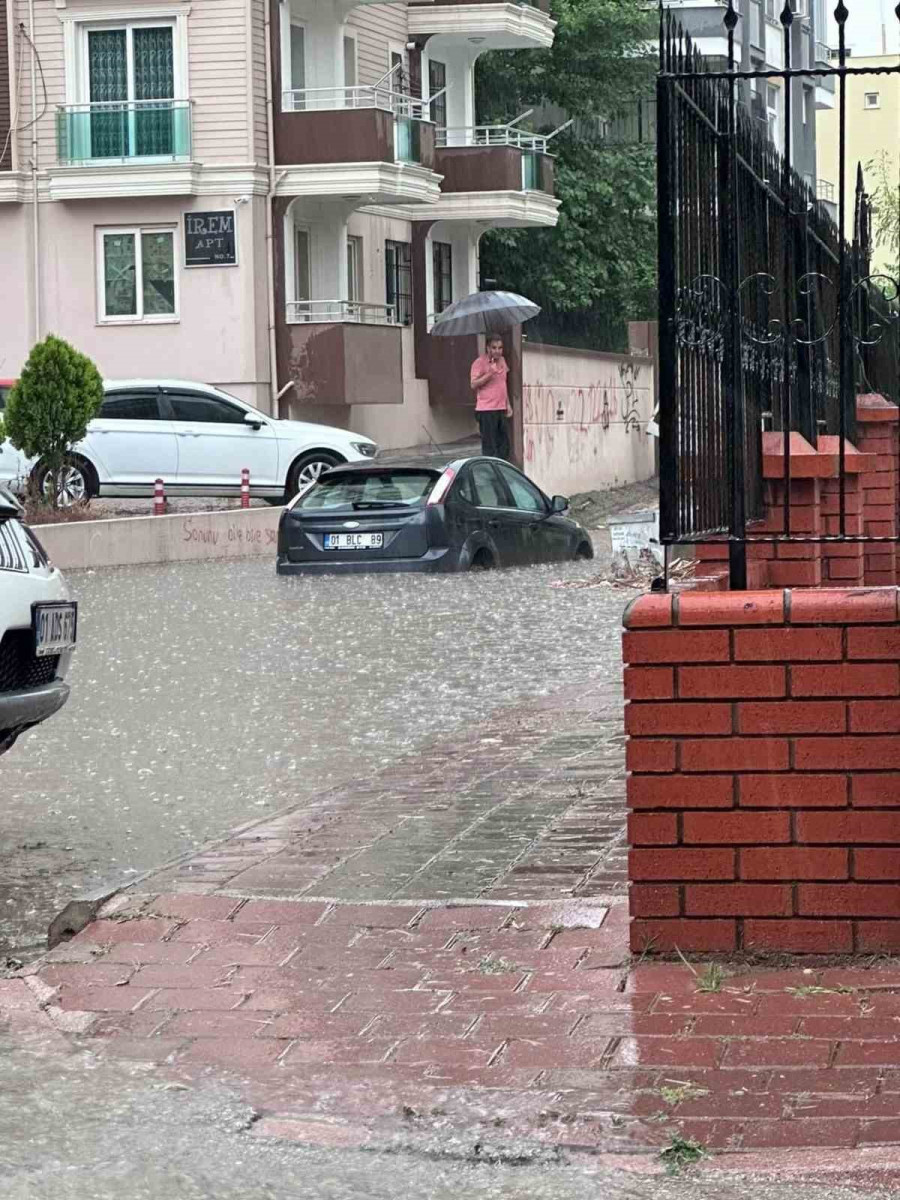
x=559 y=504
x=252 y=420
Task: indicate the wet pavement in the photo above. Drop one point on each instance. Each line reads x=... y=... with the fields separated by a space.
x=205 y=695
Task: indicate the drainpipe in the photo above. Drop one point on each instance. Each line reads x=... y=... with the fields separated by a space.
x=274 y=393
x=35 y=218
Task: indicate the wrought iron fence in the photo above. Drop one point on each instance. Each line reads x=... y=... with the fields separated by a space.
x=770 y=315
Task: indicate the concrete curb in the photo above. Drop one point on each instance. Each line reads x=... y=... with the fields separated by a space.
x=182 y=537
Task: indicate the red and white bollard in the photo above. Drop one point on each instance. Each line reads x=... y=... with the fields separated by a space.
x=245 y=488
x=159 y=499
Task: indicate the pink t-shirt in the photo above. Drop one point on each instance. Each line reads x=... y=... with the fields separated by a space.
x=493 y=395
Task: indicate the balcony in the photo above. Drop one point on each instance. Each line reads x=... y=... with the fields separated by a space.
x=485 y=23
x=356 y=141
x=354 y=312
x=128 y=148
x=353 y=358
x=496 y=175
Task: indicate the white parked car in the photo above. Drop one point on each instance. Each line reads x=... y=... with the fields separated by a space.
x=197 y=439
x=38 y=620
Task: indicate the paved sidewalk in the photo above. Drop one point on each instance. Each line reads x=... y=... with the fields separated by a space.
x=435 y=959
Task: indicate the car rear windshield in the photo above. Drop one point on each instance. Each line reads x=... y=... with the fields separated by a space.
x=376 y=489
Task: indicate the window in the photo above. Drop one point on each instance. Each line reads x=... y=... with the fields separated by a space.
x=350 y=71
x=302 y=282
x=807 y=106
x=770 y=10
x=399 y=81
x=378 y=489
x=130 y=406
x=136 y=269
x=354 y=268
x=464 y=488
x=437 y=82
x=443 y=275
x=872 y=100
x=130 y=74
x=488 y=489
x=398 y=279
x=208 y=410
x=772 y=102
x=293 y=61
x=525 y=495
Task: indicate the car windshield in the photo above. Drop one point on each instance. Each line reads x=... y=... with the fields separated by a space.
x=378 y=489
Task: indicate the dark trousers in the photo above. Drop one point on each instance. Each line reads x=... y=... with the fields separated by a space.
x=494 y=428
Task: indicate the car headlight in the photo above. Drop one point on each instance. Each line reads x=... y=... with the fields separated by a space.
x=367 y=449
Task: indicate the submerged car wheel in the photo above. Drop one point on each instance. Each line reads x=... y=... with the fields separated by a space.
x=8 y=738
x=308 y=469
x=482 y=561
x=584 y=552
x=74 y=484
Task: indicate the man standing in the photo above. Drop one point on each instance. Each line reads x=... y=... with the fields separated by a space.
x=492 y=407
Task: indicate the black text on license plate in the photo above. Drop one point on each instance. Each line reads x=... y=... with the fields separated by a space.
x=54 y=628
x=353 y=541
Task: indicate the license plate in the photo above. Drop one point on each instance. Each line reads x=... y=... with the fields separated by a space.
x=354 y=541
x=54 y=628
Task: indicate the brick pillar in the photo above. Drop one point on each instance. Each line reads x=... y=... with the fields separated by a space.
x=877 y=434
x=764 y=760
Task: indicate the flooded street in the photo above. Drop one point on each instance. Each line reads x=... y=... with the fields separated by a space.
x=205 y=695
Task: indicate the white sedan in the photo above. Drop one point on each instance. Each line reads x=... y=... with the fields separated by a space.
x=37 y=629
x=197 y=439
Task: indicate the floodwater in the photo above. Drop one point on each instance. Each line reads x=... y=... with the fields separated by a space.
x=207 y=694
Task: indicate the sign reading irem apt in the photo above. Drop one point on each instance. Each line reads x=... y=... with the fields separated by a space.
x=209 y=239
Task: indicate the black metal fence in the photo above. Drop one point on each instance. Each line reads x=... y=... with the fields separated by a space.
x=770 y=316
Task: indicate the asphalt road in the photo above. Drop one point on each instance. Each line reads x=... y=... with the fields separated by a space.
x=205 y=695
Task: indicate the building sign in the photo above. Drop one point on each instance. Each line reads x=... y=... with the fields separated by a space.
x=209 y=239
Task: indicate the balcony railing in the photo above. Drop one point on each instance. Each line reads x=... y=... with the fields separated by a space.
x=329 y=99
x=322 y=312
x=124 y=130
x=492 y=135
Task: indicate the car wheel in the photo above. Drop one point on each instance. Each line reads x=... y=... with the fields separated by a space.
x=482 y=561
x=584 y=552
x=77 y=482
x=307 y=469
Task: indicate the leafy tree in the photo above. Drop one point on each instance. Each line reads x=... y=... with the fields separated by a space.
x=597 y=269
x=58 y=392
x=885 y=200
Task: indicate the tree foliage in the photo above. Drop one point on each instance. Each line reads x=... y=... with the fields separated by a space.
x=597 y=269
x=58 y=392
x=885 y=200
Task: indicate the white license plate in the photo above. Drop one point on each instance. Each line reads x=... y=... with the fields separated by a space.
x=354 y=541
x=54 y=628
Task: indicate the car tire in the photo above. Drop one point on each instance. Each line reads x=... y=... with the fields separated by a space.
x=307 y=468
x=584 y=553
x=8 y=739
x=80 y=481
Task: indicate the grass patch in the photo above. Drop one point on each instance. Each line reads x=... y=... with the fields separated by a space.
x=677 y=1092
x=497 y=966
x=711 y=979
x=680 y=1153
x=815 y=990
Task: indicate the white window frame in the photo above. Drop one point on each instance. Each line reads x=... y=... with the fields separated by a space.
x=76 y=25
x=301 y=227
x=100 y=275
x=287 y=20
x=871 y=107
x=398 y=48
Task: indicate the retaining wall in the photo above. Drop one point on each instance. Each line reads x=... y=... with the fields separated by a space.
x=764 y=751
x=182 y=537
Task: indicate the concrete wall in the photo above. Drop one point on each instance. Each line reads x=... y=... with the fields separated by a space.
x=585 y=417
x=185 y=537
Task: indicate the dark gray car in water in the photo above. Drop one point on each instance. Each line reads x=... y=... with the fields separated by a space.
x=460 y=515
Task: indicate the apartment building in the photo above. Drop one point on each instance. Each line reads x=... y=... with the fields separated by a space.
x=872 y=110
x=760 y=46
x=275 y=196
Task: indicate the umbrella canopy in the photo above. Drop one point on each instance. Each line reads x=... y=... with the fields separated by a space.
x=484 y=312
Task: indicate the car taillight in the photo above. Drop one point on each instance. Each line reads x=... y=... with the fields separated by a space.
x=441 y=488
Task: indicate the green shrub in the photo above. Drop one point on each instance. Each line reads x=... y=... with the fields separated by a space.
x=57 y=394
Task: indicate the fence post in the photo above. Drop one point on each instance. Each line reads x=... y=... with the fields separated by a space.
x=666 y=349
x=159 y=499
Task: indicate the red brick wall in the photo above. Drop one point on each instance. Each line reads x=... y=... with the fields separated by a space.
x=764 y=759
